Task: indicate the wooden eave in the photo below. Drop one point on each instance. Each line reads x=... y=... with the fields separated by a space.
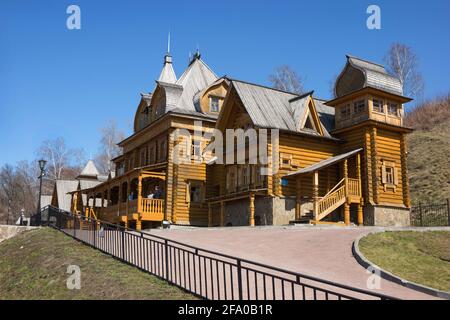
x=378 y=124
x=161 y=119
x=371 y=90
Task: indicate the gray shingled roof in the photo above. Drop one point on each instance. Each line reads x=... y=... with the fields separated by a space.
x=62 y=188
x=167 y=73
x=90 y=170
x=324 y=163
x=272 y=108
x=359 y=73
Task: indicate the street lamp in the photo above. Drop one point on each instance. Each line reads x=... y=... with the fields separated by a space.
x=42 y=164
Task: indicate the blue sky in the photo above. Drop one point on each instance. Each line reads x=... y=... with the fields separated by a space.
x=69 y=83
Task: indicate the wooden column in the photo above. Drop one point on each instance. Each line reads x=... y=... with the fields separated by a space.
x=316 y=194
x=128 y=195
x=360 y=215
x=373 y=147
x=139 y=194
x=404 y=171
x=222 y=213
x=209 y=215
x=252 y=210
x=347 y=214
x=361 y=199
x=119 y=200
x=345 y=169
x=138 y=224
x=298 y=204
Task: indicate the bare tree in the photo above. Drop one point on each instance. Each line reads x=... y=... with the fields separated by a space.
x=286 y=79
x=62 y=161
x=109 y=149
x=403 y=63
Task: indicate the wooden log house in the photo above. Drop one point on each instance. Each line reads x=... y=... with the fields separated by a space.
x=342 y=160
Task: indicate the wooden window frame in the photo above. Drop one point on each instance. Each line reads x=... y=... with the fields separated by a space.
x=359 y=106
x=391 y=105
x=386 y=166
x=211 y=98
x=382 y=105
x=283 y=157
x=345 y=112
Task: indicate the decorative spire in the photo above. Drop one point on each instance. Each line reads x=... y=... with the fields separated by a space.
x=167 y=73
x=168 y=44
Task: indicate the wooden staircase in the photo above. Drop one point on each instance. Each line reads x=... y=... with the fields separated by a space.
x=331 y=201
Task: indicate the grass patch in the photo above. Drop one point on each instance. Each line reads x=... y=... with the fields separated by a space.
x=33 y=265
x=421 y=257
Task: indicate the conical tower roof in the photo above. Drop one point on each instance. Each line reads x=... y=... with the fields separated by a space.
x=89 y=171
x=167 y=73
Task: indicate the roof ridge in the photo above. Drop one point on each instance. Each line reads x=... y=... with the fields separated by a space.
x=262 y=86
x=365 y=60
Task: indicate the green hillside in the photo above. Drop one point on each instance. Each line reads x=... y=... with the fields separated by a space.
x=429 y=151
x=33 y=265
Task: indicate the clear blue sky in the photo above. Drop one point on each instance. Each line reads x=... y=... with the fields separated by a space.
x=57 y=82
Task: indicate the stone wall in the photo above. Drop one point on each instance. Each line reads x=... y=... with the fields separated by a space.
x=283 y=210
x=386 y=216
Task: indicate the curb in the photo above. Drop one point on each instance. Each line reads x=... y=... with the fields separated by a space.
x=363 y=261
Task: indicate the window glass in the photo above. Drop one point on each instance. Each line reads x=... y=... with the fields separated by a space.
x=345 y=112
x=195 y=193
x=390 y=175
x=392 y=109
x=378 y=105
x=214 y=104
x=359 y=106
x=196 y=148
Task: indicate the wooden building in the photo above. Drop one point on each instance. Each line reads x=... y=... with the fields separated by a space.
x=149 y=186
x=339 y=160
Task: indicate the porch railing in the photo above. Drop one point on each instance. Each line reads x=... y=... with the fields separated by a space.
x=353 y=187
x=203 y=272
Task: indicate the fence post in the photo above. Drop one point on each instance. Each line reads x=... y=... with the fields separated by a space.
x=94 y=225
x=123 y=245
x=166 y=249
x=448 y=211
x=420 y=214
x=239 y=273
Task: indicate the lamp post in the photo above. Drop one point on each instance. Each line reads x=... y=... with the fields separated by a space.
x=42 y=164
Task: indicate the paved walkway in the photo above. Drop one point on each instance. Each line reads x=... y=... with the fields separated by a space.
x=323 y=252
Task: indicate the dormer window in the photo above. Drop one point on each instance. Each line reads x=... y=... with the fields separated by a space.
x=378 y=105
x=345 y=112
x=393 y=109
x=359 y=106
x=214 y=104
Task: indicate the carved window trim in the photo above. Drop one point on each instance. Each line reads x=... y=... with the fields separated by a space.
x=389 y=175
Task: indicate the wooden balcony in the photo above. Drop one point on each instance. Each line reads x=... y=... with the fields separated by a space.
x=152 y=209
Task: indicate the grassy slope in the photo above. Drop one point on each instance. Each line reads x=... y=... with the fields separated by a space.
x=33 y=265
x=429 y=151
x=428 y=164
x=421 y=257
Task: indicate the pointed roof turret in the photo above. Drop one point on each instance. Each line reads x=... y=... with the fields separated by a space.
x=167 y=73
x=89 y=172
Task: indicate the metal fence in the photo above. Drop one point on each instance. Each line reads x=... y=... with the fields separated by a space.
x=205 y=273
x=431 y=215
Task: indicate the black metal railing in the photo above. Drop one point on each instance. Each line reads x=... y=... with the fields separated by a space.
x=431 y=215
x=205 y=273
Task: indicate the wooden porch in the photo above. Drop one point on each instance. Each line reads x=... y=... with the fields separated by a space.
x=346 y=192
x=124 y=199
